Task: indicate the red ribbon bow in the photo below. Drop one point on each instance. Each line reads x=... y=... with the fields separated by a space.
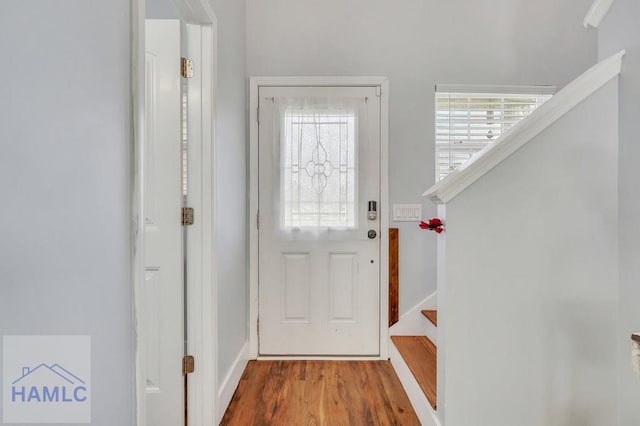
x=434 y=224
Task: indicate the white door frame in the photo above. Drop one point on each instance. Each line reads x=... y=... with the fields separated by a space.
x=254 y=84
x=201 y=285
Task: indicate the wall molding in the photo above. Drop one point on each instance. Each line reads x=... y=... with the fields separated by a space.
x=597 y=12
x=230 y=382
x=525 y=130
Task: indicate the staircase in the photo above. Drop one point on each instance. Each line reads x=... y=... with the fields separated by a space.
x=521 y=253
x=415 y=361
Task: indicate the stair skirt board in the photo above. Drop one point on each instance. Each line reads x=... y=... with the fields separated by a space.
x=421 y=405
x=413 y=322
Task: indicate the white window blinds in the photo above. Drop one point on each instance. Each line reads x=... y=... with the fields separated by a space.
x=470 y=118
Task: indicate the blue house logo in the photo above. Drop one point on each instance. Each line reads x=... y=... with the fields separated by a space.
x=46 y=379
x=48 y=383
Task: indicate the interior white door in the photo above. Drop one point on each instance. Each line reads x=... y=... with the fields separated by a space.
x=162 y=304
x=319 y=250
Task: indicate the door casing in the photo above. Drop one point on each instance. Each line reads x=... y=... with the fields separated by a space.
x=201 y=285
x=254 y=84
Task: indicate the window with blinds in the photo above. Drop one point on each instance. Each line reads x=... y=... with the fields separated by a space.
x=470 y=118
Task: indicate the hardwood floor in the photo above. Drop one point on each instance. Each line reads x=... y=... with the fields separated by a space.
x=320 y=393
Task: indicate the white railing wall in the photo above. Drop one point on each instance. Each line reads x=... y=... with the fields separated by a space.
x=528 y=280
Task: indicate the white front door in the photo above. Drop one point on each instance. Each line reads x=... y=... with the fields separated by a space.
x=162 y=333
x=319 y=249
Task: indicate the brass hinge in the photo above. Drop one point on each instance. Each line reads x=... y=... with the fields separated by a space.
x=188 y=365
x=187 y=216
x=186 y=68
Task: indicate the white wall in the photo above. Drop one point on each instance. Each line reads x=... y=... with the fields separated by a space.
x=64 y=183
x=532 y=280
x=621 y=29
x=417 y=44
x=231 y=190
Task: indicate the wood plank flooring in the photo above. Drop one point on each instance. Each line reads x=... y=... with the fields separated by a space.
x=320 y=393
x=419 y=353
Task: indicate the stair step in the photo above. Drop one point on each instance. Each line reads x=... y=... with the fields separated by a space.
x=420 y=354
x=431 y=316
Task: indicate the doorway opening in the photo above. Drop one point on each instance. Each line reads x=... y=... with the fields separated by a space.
x=319 y=193
x=173 y=79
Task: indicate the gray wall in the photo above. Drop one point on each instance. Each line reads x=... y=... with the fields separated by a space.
x=417 y=44
x=161 y=9
x=531 y=292
x=66 y=139
x=64 y=183
x=231 y=190
x=621 y=29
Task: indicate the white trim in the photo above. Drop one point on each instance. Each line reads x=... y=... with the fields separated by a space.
x=384 y=218
x=494 y=88
x=441 y=342
x=525 y=130
x=203 y=291
x=137 y=196
x=196 y=11
x=201 y=283
x=254 y=84
x=597 y=12
x=317 y=81
x=230 y=382
x=321 y=358
x=413 y=323
x=425 y=412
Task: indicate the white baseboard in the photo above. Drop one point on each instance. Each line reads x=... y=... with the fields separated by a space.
x=413 y=323
x=231 y=381
x=426 y=414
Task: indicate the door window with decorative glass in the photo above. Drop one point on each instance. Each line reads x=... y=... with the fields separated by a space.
x=318 y=166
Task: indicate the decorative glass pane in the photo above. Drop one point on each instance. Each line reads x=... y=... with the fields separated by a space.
x=318 y=168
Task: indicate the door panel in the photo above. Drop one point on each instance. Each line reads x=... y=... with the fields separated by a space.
x=162 y=305
x=343 y=286
x=296 y=287
x=319 y=166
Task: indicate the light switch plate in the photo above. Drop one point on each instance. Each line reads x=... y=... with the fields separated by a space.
x=407 y=212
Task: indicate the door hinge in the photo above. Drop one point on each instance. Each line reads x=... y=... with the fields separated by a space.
x=258 y=220
x=378 y=91
x=258 y=115
x=186 y=68
x=188 y=365
x=187 y=216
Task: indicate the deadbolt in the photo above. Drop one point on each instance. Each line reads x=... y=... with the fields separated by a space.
x=372 y=213
x=372 y=234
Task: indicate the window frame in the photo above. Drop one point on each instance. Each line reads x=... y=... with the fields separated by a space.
x=466 y=122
